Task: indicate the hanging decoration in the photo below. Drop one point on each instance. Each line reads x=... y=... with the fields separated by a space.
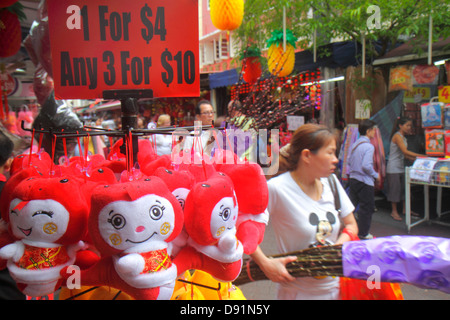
x=251 y=64
x=10 y=31
x=280 y=61
x=227 y=14
x=268 y=101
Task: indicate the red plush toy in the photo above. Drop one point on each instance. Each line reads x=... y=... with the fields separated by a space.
x=253 y=196
x=47 y=216
x=211 y=212
x=131 y=224
x=180 y=184
x=41 y=160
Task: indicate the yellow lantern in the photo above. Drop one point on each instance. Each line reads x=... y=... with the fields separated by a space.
x=226 y=14
x=281 y=62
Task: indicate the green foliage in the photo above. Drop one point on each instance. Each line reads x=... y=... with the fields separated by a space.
x=334 y=20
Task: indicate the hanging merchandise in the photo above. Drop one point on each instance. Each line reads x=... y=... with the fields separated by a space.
x=447 y=143
x=10 y=31
x=379 y=158
x=435 y=142
x=251 y=64
x=350 y=135
x=226 y=14
x=432 y=115
x=400 y=78
x=281 y=61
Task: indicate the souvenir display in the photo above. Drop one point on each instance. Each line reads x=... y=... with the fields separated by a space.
x=184 y=217
x=435 y=142
x=432 y=114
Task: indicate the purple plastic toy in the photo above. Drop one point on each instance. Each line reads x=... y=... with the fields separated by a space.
x=420 y=261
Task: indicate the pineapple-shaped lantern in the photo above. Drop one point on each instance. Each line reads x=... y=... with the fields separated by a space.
x=226 y=14
x=281 y=62
x=251 y=64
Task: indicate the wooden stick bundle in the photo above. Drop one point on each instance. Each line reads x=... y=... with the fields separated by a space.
x=311 y=262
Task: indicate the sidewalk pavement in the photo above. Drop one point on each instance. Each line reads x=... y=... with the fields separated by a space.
x=382 y=226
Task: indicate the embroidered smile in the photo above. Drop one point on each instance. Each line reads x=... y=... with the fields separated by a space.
x=26 y=232
x=128 y=240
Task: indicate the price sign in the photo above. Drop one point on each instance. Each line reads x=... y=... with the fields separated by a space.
x=417 y=94
x=101 y=45
x=444 y=94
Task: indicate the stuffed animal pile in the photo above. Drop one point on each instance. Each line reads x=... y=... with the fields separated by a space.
x=135 y=230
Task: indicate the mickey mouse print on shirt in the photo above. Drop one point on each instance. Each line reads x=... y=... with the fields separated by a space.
x=324 y=228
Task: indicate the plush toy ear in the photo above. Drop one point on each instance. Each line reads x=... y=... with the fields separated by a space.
x=146 y=153
x=201 y=172
x=175 y=179
x=42 y=162
x=149 y=167
x=250 y=185
x=199 y=206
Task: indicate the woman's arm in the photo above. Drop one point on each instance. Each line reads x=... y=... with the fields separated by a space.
x=401 y=145
x=351 y=227
x=273 y=268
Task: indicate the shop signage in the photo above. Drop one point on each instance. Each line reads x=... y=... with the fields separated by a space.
x=101 y=45
x=444 y=94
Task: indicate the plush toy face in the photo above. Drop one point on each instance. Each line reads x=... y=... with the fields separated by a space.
x=223 y=217
x=181 y=195
x=126 y=224
x=211 y=209
x=47 y=209
x=39 y=220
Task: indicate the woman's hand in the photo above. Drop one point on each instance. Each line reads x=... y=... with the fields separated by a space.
x=274 y=268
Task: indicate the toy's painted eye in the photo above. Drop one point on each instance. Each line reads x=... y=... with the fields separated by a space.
x=118 y=221
x=48 y=213
x=156 y=212
x=225 y=213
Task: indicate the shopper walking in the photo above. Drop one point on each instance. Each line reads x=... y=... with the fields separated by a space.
x=362 y=176
x=302 y=213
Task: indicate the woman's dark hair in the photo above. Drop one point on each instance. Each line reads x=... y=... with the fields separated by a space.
x=309 y=136
x=400 y=121
x=366 y=125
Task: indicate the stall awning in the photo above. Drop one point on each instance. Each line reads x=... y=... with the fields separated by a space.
x=223 y=79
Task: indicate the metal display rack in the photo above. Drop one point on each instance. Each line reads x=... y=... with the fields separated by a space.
x=434 y=178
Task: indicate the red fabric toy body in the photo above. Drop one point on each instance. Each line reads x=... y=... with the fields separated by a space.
x=211 y=212
x=131 y=224
x=253 y=197
x=47 y=216
x=180 y=184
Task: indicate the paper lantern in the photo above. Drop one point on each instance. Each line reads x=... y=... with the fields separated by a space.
x=226 y=14
x=251 y=64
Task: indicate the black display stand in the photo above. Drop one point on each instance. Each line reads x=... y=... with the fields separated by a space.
x=129 y=107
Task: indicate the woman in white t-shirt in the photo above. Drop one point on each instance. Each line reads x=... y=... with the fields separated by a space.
x=302 y=213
